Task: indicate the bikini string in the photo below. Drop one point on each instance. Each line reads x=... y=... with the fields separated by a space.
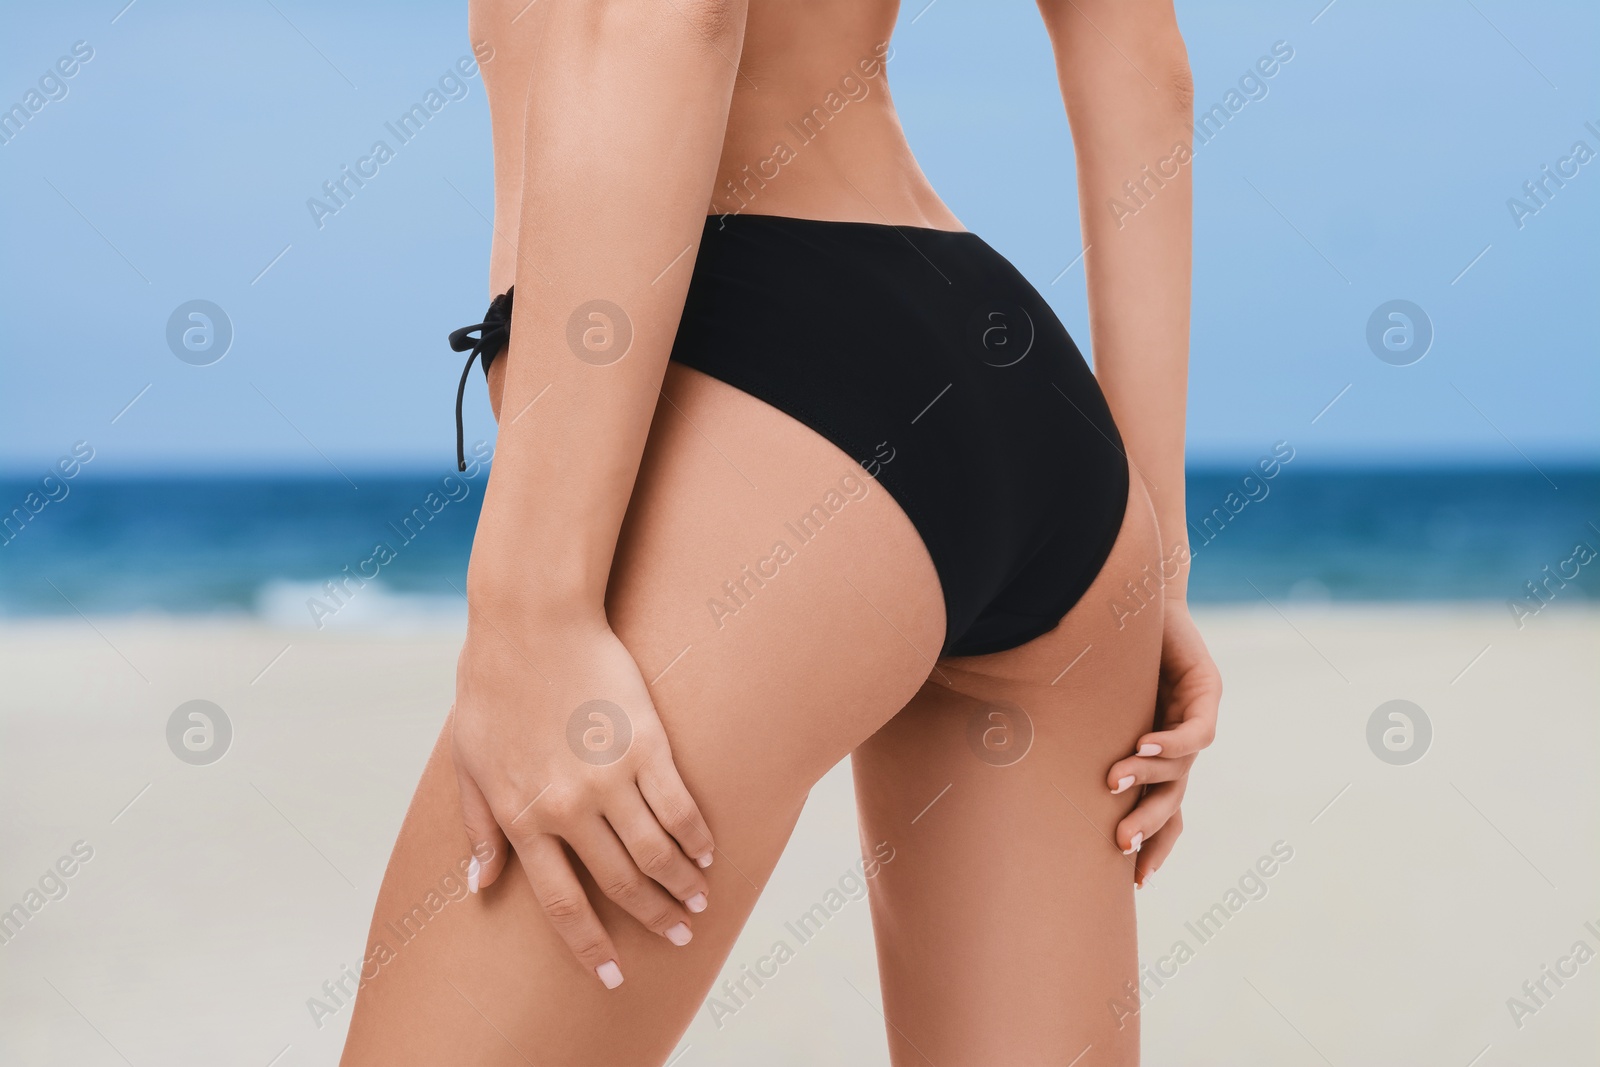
x=493 y=334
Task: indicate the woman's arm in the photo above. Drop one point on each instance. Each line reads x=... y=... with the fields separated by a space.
x=627 y=105
x=554 y=734
x=1124 y=74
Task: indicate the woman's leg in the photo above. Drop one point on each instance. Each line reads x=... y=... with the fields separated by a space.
x=759 y=694
x=767 y=666
x=1005 y=924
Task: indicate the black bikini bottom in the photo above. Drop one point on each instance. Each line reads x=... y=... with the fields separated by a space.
x=928 y=358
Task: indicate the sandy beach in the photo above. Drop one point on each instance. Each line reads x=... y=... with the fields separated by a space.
x=1413 y=904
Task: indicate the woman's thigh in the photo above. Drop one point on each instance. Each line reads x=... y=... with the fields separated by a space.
x=1005 y=924
x=782 y=608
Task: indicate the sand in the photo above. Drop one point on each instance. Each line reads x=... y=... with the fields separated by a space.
x=207 y=903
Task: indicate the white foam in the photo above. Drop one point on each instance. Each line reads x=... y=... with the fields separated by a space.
x=302 y=605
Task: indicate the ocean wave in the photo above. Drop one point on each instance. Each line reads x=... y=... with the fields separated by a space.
x=372 y=607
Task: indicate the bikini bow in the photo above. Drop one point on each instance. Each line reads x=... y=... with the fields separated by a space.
x=493 y=334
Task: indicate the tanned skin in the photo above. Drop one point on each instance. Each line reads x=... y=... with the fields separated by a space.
x=624 y=493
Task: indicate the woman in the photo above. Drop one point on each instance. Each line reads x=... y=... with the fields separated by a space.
x=874 y=505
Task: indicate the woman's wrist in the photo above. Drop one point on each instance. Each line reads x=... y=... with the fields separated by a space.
x=1176 y=557
x=530 y=596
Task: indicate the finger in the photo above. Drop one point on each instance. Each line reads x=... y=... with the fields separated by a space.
x=1149 y=815
x=1155 y=851
x=674 y=808
x=484 y=836
x=656 y=854
x=619 y=878
x=1127 y=773
x=1196 y=730
x=561 y=895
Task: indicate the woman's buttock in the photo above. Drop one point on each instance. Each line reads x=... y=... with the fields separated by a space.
x=925 y=356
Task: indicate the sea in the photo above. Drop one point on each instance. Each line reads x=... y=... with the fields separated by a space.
x=391 y=550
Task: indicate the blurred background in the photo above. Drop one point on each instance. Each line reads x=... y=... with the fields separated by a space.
x=218 y=396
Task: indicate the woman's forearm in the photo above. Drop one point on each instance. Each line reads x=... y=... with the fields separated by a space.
x=627 y=105
x=1129 y=99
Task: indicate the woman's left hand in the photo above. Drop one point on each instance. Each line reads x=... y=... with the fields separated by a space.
x=1187 y=699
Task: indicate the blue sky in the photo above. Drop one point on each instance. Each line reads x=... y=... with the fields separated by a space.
x=1377 y=166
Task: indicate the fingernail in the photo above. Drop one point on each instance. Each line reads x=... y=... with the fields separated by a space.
x=678 y=934
x=696 y=903
x=610 y=974
x=1138 y=839
x=704 y=861
x=1122 y=783
x=1149 y=750
x=474 y=870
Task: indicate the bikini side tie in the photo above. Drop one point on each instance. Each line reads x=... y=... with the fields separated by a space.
x=493 y=334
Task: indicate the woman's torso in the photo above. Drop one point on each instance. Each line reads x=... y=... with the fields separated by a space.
x=812 y=131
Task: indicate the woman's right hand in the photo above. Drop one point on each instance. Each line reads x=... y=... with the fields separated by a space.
x=569 y=750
